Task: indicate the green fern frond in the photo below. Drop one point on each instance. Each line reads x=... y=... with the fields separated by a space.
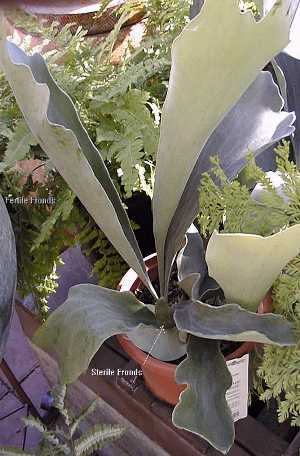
x=280 y=366
x=35 y=423
x=59 y=395
x=62 y=210
x=97 y=438
x=20 y=142
x=107 y=264
x=83 y=415
x=229 y=206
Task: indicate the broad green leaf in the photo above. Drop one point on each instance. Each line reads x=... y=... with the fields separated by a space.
x=255 y=122
x=163 y=344
x=246 y=265
x=202 y=408
x=52 y=118
x=232 y=322
x=18 y=146
x=213 y=64
x=191 y=264
x=8 y=274
x=91 y=314
x=191 y=258
x=191 y=285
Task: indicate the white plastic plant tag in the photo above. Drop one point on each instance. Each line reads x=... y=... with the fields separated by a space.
x=237 y=395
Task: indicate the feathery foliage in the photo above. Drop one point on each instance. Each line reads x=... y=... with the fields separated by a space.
x=61 y=440
x=280 y=367
x=231 y=207
x=108 y=265
x=34 y=224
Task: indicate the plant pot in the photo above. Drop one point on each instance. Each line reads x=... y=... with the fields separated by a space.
x=159 y=376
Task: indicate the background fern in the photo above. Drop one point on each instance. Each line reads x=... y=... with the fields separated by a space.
x=106 y=262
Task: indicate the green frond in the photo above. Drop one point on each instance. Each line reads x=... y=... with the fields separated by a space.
x=59 y=395
x=280 y=367
x=83 y=415
x=229 y=206
x=108 y=265
x=97 y=438
x=61 y=211
x=35 y=423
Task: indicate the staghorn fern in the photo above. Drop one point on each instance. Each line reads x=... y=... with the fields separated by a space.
x=61 y=441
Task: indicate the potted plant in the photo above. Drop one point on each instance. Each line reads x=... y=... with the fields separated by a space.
x=204 y=67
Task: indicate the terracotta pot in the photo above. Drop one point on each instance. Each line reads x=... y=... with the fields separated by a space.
x=159 y=376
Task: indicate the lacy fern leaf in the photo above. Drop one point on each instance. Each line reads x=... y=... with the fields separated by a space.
x=60 y=441
x=61 y=211
x=107 y=264
x=280 y=367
